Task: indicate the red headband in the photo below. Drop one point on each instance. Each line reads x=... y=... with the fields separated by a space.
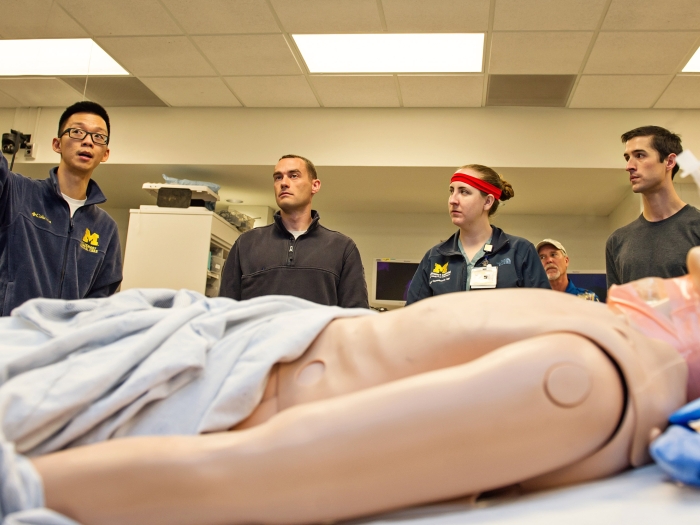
x=477 y=183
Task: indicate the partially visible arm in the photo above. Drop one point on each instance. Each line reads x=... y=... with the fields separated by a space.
x=5 y=178
x=534 y=275
x=352 y=287
x=420 y=288
x=610 y=271
x=231 y=274
x=110 y=274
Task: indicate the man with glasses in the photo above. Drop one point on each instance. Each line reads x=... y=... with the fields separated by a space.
x=54 y=240
x=555 y=261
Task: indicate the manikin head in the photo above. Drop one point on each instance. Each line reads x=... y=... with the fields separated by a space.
x=295 y=183
x=667 y=309
x=650 y=152
x=554 y=258
x=83 y=137
x=475 y=193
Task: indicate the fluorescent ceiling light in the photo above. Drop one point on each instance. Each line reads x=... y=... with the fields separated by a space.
x=393 y=53
x=70 y=56
x=693 y=65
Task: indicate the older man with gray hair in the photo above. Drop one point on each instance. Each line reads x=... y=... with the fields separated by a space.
x=555 y=261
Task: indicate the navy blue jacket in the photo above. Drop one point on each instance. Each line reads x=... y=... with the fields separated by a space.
x=444 y=270
x=45 y=253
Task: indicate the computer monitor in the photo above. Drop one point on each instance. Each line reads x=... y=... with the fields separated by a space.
x=594 y=281
x=390 y=281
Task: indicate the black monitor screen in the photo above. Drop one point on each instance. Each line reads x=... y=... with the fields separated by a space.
x=393 y=280
x=591 y=281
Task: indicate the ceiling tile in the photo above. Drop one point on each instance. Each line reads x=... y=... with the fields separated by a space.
x=37 y=19
x=538 y=52
x=618 y=91
x=684 y=92
x=153 y=56
x=125 y=17
x=223 y=16
x=639 y=53
x=547 y=15
x=356 y=91
x=39 y=92
x=529 y=90
x=6 y=101
x=249 y=54
x=676 y=15
x=441 y=91
x=195 y=92
x=429 y=16
x=322 y=16
x=274 y=92
x=115 y=91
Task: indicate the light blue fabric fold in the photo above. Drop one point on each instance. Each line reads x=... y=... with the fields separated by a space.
x=142 y=362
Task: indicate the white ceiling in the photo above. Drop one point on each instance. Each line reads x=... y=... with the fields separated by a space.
x=230 y=53
x=240 y=53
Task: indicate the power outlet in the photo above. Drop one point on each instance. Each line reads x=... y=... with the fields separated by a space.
x=30 y=152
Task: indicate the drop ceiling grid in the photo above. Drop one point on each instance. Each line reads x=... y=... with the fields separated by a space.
x=38 y=19
x=6 y=101
x=181 y=39
x=36 y=92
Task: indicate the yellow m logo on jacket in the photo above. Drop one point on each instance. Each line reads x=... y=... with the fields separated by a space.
x=440 y=269
x=90 y=238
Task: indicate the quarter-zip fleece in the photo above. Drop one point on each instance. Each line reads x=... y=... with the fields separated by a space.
x=321 y=265
x=444 y=270
x=46 y=253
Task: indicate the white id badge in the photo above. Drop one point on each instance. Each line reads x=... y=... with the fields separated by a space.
x=483 y=277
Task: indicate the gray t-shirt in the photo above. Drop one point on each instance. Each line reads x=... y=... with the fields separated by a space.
x=652 y=249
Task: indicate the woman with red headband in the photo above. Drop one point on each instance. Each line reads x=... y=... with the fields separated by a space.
x=478 y=255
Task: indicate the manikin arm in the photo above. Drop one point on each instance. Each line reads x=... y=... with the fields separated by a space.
x=522 y=410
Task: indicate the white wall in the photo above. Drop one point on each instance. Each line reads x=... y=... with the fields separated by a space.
x=504 y=137
x=627 y=211
x=121 y=217
x=688 y=193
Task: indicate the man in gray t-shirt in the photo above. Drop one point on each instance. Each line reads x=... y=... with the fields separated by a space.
x=656 y=243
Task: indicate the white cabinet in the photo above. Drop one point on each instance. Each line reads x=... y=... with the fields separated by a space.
x=170 y=248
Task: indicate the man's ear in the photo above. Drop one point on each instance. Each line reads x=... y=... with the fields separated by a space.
x=315 y=186
x=670 y=161
x=105 y=156
x=56 y=145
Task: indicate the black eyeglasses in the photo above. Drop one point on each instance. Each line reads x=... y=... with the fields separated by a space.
x=80 y=134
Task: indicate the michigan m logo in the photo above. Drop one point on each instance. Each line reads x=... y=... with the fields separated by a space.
x=440 y=269
x=90 y=238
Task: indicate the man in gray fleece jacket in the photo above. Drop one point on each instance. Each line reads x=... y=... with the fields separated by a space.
x=296 y=255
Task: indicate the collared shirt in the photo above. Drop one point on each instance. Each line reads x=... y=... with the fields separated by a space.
x=470 y=264
x=581 y=292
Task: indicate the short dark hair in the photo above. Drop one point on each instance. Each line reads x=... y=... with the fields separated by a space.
x=84 y=106
x=309 y=165
x=662 y=140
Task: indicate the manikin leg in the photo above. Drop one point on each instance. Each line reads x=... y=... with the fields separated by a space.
x=520 y=411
